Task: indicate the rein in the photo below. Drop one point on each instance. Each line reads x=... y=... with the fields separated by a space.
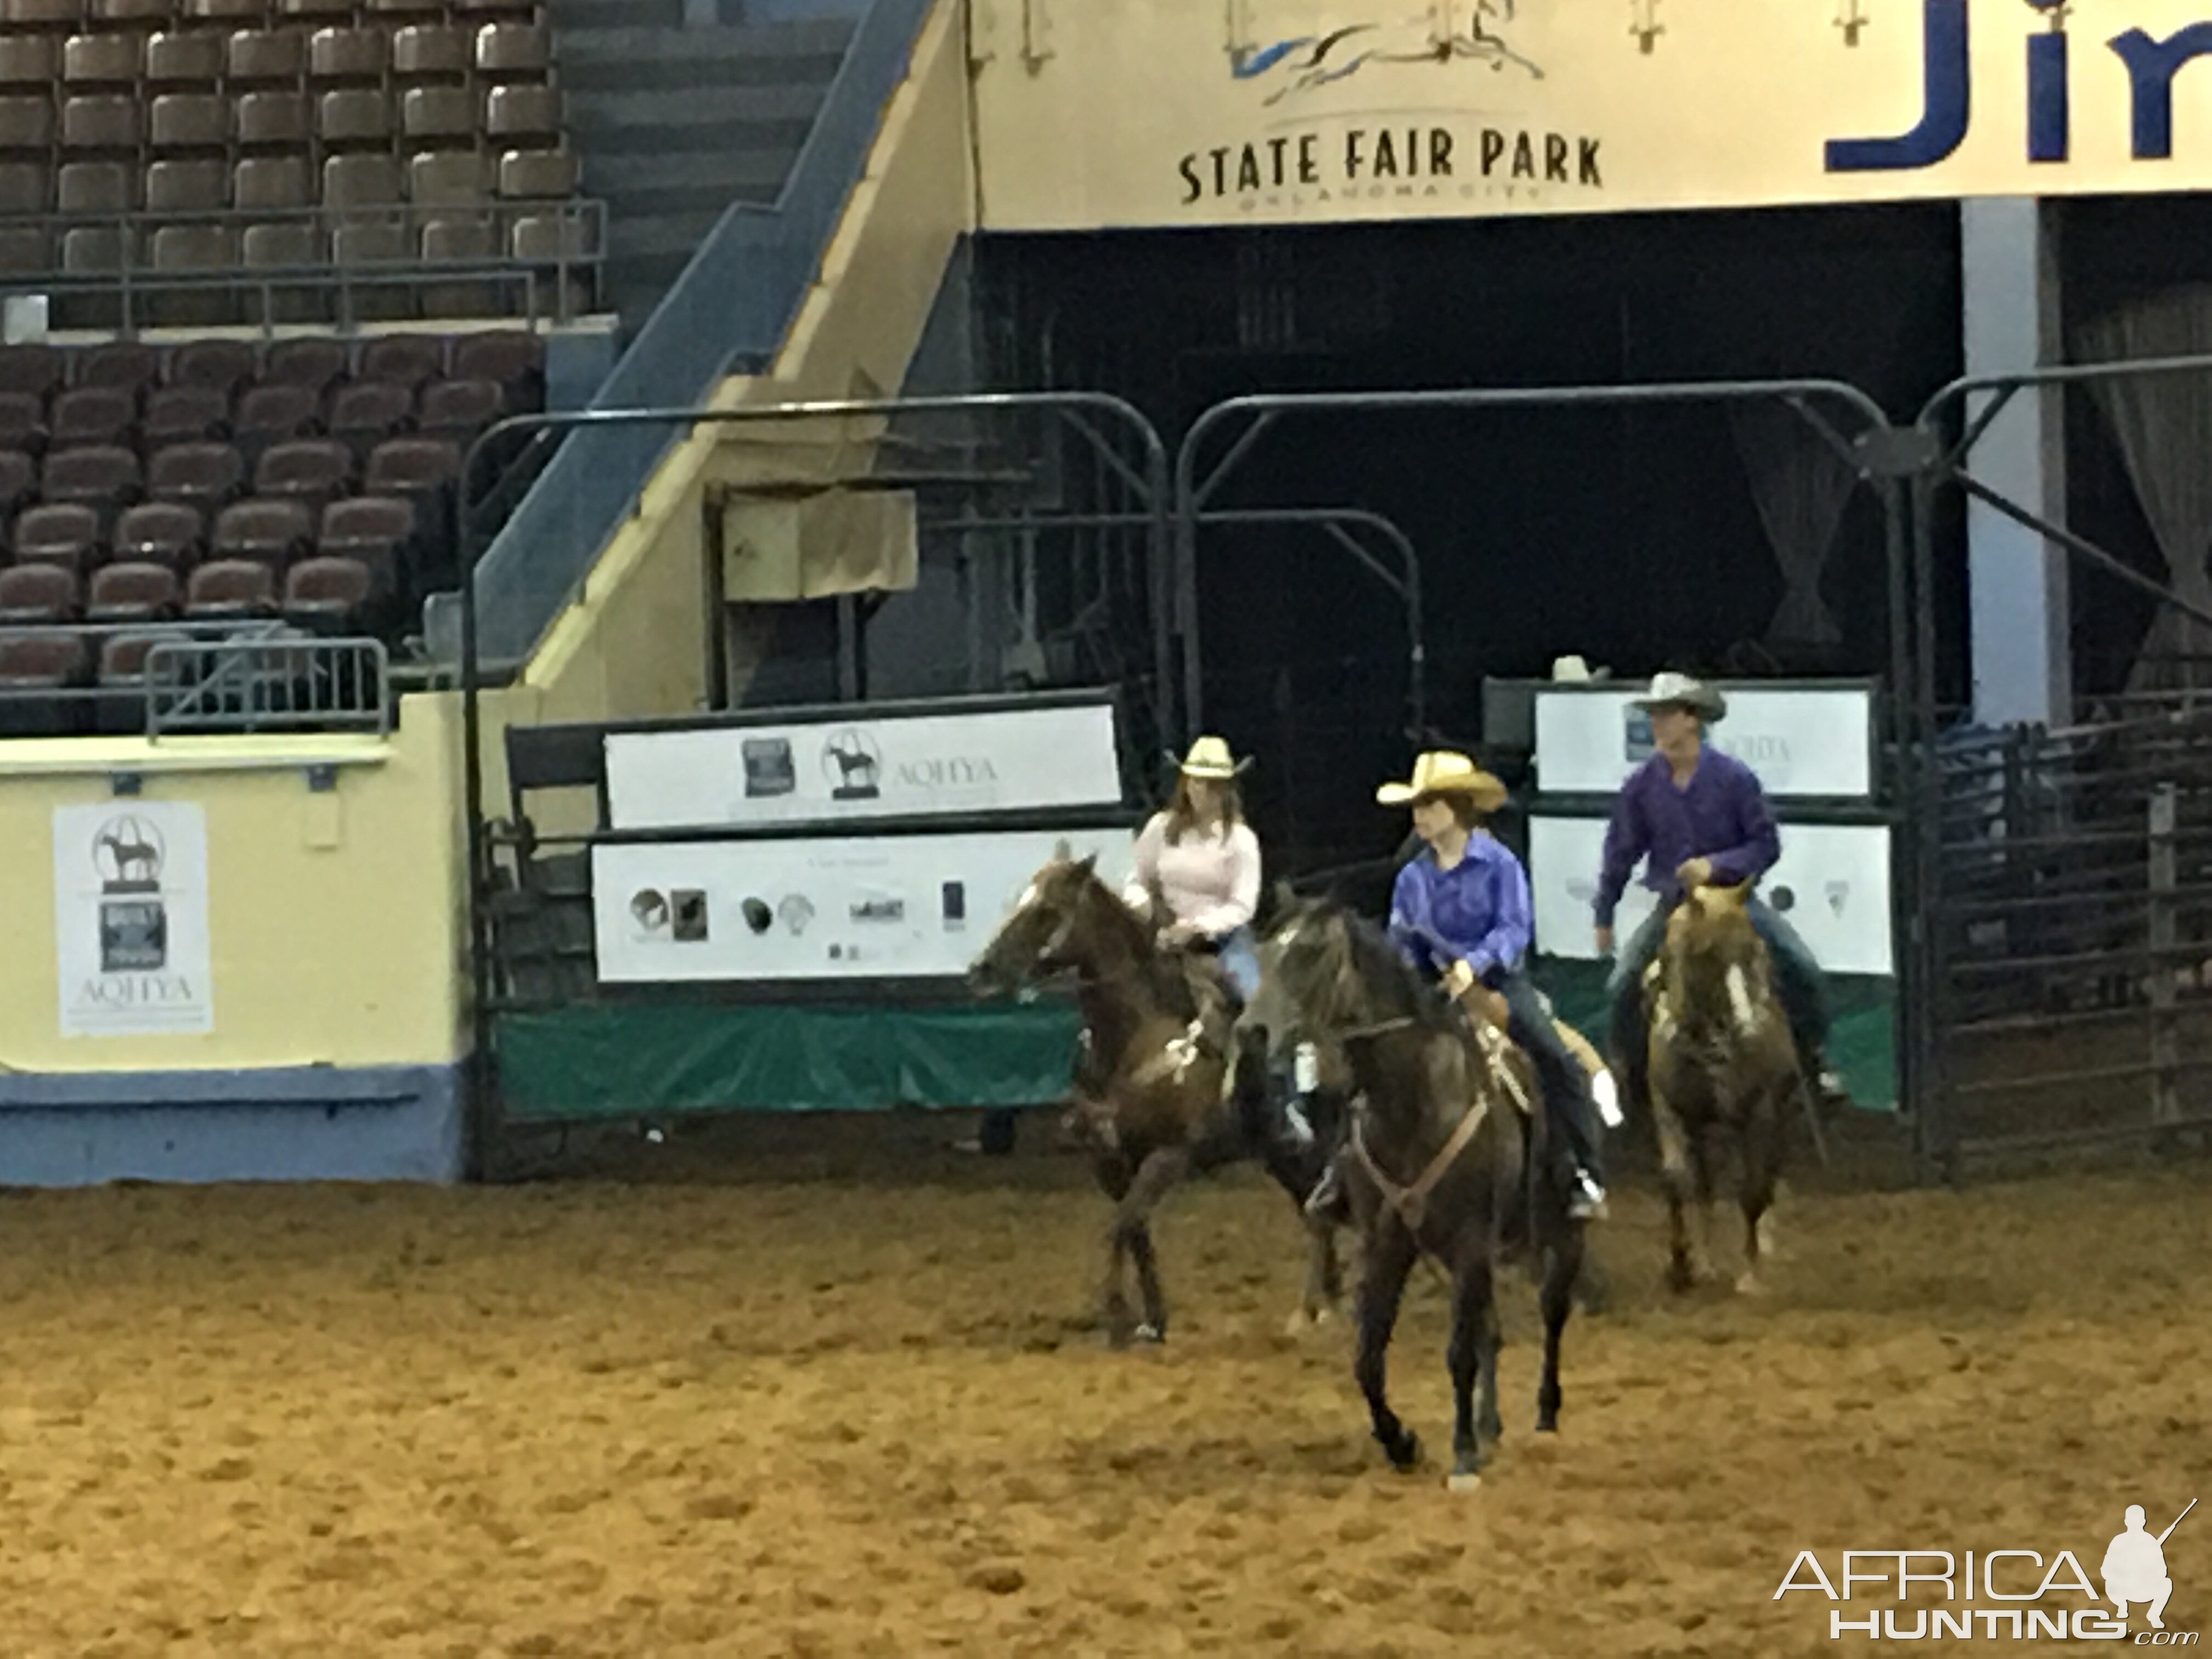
x=1411 y=1203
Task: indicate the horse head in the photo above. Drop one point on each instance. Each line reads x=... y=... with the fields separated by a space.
x=1712 y=958
x=1059 y=923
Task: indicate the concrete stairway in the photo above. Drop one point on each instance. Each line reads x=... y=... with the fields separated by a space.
x=675 y=121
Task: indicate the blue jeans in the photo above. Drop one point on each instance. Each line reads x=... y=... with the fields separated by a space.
x=1240 y=963
x=1796 y=982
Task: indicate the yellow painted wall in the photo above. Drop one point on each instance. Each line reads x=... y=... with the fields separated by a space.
x=1094 y=114
x=335 y=922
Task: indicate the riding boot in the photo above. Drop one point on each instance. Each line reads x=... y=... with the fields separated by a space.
x=1829 y=1094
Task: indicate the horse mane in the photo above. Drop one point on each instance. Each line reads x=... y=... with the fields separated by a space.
x=1377 y=963
x=1163 y=974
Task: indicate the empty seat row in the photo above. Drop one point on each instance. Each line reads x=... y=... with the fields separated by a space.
x=421 y=118
x=332 y=588
x=357 y=416
x=514 y=359
x=204 y=58
x=64 y=17
x=379 y=531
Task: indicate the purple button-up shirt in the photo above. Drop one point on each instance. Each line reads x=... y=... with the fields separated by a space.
x=1722 y=817
x=1479 y=911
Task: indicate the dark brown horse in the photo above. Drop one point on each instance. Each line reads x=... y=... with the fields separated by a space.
x=1446 y=1157
x=1158 y=1095
x=1723 y=1072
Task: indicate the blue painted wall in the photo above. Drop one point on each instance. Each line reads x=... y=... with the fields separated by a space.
x=301 y=1123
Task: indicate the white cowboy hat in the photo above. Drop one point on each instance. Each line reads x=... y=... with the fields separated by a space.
x=1570 y=671
x=1209 y=758
x=1444 y=772
x=1680 y=692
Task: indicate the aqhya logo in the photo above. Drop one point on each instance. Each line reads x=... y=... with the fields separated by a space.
x=1947 y=107
x=2034 y=1601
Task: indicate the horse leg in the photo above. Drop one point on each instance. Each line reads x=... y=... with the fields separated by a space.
x=1761 y=1138
x=1132 y=1234
x=1674 y=1157
x=1112 y=1170
x=1566 y=1263
x=1472 y=1358
x=1324 y=1275
x=1389 y=1259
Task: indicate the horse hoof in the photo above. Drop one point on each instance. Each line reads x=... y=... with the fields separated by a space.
x=1406 y=1459
x=1465 y=1481
x=1750 y=1283
x=1151 y=1334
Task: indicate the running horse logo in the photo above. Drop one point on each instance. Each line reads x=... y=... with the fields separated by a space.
x=1446 y=31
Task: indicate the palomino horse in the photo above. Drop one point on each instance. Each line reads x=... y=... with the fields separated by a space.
x=1722 y=1068
x=1446 y=1158
x=1157 y=1096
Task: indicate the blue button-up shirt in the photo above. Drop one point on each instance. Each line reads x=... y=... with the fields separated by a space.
x=1478 y=912
x=1722 y=815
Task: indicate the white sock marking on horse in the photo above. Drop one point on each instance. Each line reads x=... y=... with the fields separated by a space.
x=1607 y=1093
x=1739 y=990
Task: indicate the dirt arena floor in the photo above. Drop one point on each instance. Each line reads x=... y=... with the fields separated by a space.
x=837 y=1394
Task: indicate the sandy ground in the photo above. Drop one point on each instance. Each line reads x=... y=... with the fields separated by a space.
x=849 y=1405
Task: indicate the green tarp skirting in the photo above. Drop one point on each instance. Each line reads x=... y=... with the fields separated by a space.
x=594 y=1062
x=597 y=1062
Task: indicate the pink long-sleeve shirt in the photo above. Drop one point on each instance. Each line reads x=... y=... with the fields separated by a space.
x=1210 y=879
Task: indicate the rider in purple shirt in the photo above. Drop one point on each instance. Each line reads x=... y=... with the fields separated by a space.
x=1699 y=817
x=1460 y=913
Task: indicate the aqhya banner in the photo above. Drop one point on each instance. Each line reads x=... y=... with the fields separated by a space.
x=131 y=919
x=852 y=768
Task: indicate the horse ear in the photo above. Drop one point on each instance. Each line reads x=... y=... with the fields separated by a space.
x=1061 y=851
x=1088 y=863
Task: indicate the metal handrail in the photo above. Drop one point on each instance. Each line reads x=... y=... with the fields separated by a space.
x=258 y=683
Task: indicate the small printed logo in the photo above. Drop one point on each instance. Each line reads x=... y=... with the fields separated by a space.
x=1840 y=894
x=769 y=770
x=853 y=765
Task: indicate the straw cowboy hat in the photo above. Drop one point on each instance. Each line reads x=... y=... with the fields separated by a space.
x=1442 y=772
x=1576 y=671
x=1680 y=691
x=1209 y=758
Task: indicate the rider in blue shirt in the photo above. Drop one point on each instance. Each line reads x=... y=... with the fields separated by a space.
x=1460 y=913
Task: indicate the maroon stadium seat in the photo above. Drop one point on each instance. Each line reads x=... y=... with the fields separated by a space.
x=38 y=594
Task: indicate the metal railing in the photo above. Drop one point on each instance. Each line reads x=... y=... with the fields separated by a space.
x=732 y=306
x=132 y=280
x=267 y=683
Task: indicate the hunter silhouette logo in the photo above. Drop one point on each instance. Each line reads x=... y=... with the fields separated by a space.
x=853 y=765
x=2135 y=1567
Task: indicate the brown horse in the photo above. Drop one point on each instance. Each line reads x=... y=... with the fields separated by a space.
x=1722 y=1070
x=1158 y=1095
x=1446 y=1157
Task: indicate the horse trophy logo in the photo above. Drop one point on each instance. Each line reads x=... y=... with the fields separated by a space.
x=853 y=765
x=134 y=921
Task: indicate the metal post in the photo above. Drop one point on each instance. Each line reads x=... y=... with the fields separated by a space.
x=2165 y=1044
x=1941 y=1134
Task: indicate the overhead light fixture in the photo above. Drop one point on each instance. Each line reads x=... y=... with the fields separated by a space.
x=1852 y=19
x=1644 y=24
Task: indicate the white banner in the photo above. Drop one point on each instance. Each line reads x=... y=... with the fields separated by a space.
x=131 y=919
x=879 y=907
x=853 y=768
x=1831 y=883
x=1801 y=740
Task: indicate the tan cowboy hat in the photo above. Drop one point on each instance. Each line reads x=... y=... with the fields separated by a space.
x=1209 y=758
x=1444 y=772
x=1680 y=691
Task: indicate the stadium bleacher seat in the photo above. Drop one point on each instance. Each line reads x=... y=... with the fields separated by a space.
x=199 y=147
x=311 y=480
